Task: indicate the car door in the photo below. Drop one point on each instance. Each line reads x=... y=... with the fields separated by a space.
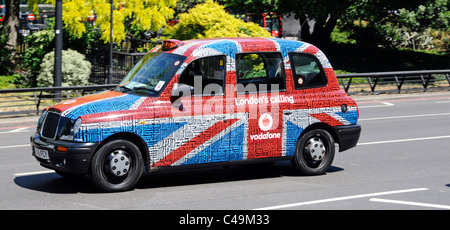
x=261 y=93
x=209 y=133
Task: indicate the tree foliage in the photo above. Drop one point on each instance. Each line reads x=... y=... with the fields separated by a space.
x=137 y=15
x=209 y=20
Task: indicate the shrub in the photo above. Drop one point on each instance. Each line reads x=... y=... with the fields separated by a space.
x=75 y=69
x=210 y=20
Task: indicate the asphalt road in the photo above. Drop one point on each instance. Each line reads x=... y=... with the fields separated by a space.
x=402 y=161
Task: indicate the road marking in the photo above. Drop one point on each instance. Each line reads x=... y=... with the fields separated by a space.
x=384 y=104
x=404 y=140
x=14 y=146
x=342 y=198
x=411 y=203
x=18 y=130
x=33 y=173
x=23 y=129
x=439 y=102
x=406 y=116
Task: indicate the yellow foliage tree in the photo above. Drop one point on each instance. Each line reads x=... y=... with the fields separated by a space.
x=143 y=14
x=210 y=20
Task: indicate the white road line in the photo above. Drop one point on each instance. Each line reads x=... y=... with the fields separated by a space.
x=342 y=198
x=384 y=104
x=410 y=203
x=404 y=140
x=18 y=130
x=406 y=116
x=33 y=173
x=440 y=102
x=14 y=146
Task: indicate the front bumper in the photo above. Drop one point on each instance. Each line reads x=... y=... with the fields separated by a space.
x=348 y=136
x=75 y=160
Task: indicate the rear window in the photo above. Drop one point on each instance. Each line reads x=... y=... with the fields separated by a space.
x=307 y=71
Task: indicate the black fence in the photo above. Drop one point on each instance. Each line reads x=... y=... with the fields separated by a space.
x=122 y=64
x=124 y=58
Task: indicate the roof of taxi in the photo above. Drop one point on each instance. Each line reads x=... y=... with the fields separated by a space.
x=230 y=46
x=213 y=46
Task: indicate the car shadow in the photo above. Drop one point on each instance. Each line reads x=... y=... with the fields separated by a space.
x=53 y=183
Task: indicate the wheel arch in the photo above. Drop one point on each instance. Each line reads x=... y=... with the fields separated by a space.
x=323 y=126
x=135 y=139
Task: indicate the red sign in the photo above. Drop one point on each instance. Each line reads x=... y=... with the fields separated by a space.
x=31 y=17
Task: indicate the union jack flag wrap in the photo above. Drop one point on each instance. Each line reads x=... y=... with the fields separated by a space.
x=230 y=133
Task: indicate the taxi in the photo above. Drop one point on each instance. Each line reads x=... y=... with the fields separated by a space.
x=203 y=102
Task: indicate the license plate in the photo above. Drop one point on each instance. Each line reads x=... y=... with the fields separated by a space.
x=41 y=153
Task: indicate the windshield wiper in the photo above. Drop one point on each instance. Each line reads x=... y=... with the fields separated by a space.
x=143 y=88
x=123 y=88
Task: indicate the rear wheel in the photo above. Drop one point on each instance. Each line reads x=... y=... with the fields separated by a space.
x=314 y=152
x=117 y=166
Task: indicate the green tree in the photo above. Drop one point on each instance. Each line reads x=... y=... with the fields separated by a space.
x=136 y=14
x=209 y=20
x=404 y=24
x=11 y=26
x=322 y=13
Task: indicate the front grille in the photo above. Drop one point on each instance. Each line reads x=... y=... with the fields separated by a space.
x=50 y=125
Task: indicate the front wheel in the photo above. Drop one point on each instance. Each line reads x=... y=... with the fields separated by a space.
x=314 y=152
x=117 y=166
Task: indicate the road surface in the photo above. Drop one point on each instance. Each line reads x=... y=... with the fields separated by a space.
x=402 y=161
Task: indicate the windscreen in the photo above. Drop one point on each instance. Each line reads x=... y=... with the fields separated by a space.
x=150 y=75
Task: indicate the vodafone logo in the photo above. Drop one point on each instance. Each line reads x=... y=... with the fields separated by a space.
x=265 y=122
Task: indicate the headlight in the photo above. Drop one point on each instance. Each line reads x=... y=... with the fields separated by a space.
x=69 y=128
x=76 y=126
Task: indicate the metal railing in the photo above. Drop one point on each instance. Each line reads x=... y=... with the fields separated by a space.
x=32 y=100
x=394 y=81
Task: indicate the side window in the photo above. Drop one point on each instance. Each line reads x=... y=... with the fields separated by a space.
x=259 y=72
x=206 y=75
x=307 y=71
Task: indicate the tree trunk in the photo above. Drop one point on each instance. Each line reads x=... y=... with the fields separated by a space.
x=11 y=26
x=321 y=32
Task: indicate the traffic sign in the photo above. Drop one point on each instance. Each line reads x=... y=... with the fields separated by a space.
x=31 y=17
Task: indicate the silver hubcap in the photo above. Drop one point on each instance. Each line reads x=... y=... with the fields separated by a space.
x=119 y=163
x=316 y=148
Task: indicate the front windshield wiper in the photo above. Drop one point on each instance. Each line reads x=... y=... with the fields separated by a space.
x=123 y=88
x=143 y=88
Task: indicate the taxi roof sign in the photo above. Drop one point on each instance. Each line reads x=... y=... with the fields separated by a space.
x=171 y=44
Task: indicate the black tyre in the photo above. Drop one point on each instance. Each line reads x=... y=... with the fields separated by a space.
x=117 y=166
x=314 y=152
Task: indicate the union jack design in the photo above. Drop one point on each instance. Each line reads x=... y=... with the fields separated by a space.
x=207 y=138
